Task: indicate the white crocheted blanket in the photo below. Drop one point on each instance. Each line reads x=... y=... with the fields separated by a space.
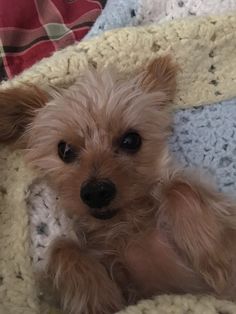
x=121 y=13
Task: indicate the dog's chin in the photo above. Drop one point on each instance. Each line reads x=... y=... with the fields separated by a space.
x=103 y=214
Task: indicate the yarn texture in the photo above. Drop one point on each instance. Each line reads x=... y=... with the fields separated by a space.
x=159 y=11
x=170 y=304
x=17 y=288
x=207 y=76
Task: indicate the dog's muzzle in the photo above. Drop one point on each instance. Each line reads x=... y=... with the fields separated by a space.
x=97 y=195
x=103 y=214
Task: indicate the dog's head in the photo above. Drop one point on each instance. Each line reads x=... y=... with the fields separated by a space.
x=102 y=141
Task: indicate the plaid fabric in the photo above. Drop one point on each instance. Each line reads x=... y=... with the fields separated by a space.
x=33 y=29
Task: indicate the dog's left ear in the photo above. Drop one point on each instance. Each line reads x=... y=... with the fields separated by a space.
x=161 y=76
x=17 y=109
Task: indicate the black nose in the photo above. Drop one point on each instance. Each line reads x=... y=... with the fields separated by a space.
x=97 y=194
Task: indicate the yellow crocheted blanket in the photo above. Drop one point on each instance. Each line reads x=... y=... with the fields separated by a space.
x=205 y=50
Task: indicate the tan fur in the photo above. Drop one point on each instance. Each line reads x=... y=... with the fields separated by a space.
x=17 y=108
x=78 y=276
x=171 y=234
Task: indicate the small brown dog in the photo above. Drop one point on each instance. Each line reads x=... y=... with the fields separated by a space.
x=143 y=227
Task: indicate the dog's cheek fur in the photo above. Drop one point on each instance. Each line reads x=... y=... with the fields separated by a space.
x=197 y=218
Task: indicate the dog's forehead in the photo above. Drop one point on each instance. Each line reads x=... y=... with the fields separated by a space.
x=67 y=116
x=95 y=109
x=98 y=106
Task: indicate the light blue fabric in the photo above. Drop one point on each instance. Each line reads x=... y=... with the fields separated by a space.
x=205 y=137
x=116 y=14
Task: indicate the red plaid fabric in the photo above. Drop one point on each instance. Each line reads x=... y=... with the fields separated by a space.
x=33 y=29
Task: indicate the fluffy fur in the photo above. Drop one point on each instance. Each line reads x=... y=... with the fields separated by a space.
x=171 y=233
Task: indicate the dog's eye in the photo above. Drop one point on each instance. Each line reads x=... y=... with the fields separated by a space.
x=66 y=152
x=131 y=142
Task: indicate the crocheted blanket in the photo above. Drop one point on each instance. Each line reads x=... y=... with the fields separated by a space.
x=212 y=56
x=121 y=13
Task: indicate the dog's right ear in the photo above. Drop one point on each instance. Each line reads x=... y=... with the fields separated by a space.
x=18 y=107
